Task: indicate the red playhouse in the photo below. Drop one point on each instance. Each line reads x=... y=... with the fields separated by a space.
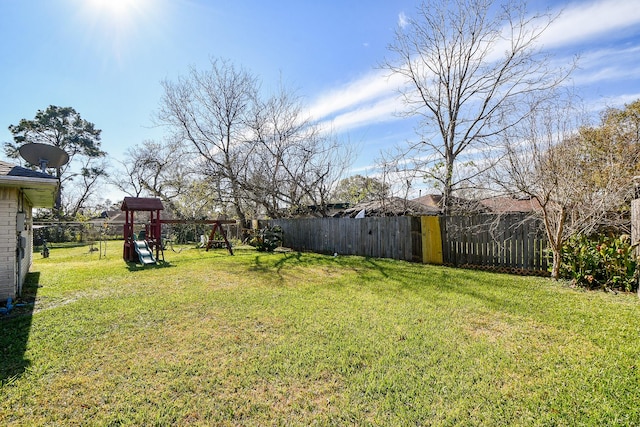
x=141 y=247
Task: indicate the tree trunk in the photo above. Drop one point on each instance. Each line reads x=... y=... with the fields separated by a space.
x=557 y=260
x=554 y=236
x=448 y=186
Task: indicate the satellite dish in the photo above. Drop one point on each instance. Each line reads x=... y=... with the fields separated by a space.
x=44 y=155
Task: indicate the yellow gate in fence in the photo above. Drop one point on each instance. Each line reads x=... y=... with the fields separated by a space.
x=431 y=240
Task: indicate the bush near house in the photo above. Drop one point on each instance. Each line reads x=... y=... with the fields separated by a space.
x=602 y=262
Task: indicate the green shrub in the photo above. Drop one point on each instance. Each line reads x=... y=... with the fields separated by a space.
x=602 y=262
x=267 y=239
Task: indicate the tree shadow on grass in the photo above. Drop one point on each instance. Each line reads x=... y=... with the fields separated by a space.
x=496 y=291
x=15 y=327
x=265 y=267
x=266 y=263
x=260 y=266
x=306 y=260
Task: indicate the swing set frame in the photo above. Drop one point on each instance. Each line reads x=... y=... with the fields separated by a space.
x=153 y=227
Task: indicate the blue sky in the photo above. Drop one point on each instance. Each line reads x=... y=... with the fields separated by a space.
x=107 y=58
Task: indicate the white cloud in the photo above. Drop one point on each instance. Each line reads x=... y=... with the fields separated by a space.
x=608 y=72
x=581 y=22
x=373 y=98
x=613 y=102
x=365 y=90
x=622 y=53
x=384 y=110
x=402 y=20
x=608 y=77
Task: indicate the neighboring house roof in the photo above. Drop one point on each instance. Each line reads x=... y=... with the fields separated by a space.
x=392 y=206
x=498 y=205
x=507 y=204
x=457 y=204
x=433 y=200
x=40 y=188
x=115 y=216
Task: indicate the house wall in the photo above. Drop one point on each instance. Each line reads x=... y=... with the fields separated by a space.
x=8 y=210
x=13 y=270
x=27 y=233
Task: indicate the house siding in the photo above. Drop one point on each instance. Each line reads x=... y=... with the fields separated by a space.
x=9 y=198
x=27 y=257
x=13 y=271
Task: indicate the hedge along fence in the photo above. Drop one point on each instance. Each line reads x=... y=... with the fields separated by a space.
x=509 y=243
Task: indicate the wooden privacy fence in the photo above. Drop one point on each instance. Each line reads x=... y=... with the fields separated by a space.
x=378 y=237
x=510 y=243
x=513 y=243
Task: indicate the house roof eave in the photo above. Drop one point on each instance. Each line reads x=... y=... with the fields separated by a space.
x=41 y=192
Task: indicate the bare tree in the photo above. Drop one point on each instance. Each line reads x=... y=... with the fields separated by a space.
x=130 y=179
x=209 y=110
x=284 y=141
x=468 y=65
x=84 y=185
x=294 y=163
x=155 y=169
x=577 y=180
x=255 y=152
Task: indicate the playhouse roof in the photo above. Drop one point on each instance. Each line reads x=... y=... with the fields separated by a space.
x=141 y=204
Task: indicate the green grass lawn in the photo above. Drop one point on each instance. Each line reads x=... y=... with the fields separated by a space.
x=303 y=339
